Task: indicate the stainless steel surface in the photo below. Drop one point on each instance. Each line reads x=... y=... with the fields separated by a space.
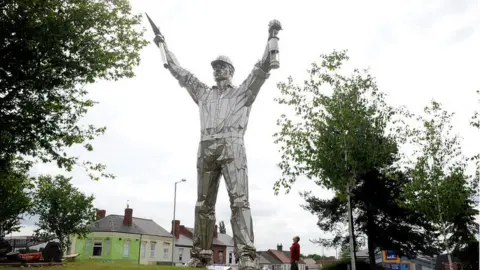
x=224 y=112
x=273 y=28
x=162 y=54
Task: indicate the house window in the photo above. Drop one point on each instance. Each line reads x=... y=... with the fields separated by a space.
x=152 y=249
x=106 y=249
x=88 y=246
x=97 y=248
x=143 y=248
x=180 y=254
x=166 y=250
x=126 y=249
x=230 y=257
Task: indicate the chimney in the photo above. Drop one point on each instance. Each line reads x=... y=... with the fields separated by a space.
x=127 y=219
x=279 y=247
x=215 y=233
x=176 y=225
x=101 y=214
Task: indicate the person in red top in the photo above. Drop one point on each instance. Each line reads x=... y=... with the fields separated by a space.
x=295 y=253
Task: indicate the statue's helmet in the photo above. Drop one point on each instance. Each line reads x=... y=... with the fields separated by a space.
x=223 y=59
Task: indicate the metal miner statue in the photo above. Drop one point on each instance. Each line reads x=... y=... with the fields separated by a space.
x=224 y=112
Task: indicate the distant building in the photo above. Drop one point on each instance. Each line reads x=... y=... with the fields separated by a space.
x=393 y=262
x=222 y=245
x=310 y=264
x=277 y=259
x=125 y=238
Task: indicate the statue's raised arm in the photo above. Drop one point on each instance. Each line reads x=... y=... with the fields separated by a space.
x=186 y=79
x=269 y=61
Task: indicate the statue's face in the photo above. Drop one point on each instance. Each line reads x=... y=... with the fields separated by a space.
x=222 y=71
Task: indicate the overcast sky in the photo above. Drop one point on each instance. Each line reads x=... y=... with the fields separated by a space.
x=418 y=50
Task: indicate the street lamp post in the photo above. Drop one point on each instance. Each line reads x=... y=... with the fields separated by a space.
x=173 y=221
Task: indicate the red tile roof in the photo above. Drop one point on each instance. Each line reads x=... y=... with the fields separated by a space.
x=280 y=255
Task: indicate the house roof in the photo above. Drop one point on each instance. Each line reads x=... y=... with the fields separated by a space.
x=114 y=223
x=309 y=261
x=280 y=255
x=269 y=257
x=226 y=239
x=262 y=259
x=184 y=241
x=216 y=241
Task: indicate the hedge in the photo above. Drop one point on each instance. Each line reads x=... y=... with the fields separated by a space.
x=344 y=264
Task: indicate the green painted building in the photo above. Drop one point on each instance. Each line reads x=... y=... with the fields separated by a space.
x=125 y=238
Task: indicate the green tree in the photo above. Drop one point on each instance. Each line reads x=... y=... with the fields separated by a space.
x=222 y=228
x=476 y=115
x=441 y=187
x=50 y=50
x=334 y=139
x=63 y=210
x=476 y=123
x=316 y=257
x=386 y=225
x=15 y=199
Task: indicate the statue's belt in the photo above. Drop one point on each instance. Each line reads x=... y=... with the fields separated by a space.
x=224 y=135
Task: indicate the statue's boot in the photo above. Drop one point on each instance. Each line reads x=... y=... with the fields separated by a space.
x=195 y=263
x=246 y=263
x=204 y=259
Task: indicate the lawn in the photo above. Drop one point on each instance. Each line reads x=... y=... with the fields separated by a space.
x=90 y=265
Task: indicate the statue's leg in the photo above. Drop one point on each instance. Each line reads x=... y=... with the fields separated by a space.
x=208 y=180
x=236 y=178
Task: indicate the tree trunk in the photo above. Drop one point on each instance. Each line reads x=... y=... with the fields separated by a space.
x=371 y=245
x=371 y=253
x=445 y=239
x=61 y=239
x=353 y=231
x=449 y=260
x=350 y=228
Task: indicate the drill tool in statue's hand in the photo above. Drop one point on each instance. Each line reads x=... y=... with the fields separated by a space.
x=159 y=41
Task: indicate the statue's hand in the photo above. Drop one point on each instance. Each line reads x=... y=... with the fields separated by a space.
x=274 y=27
x=159 y=39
